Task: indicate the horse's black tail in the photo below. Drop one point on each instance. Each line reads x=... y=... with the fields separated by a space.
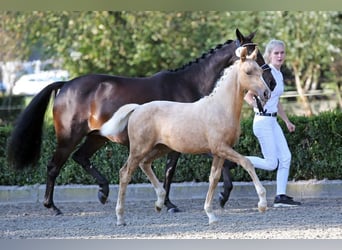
x=23 y=148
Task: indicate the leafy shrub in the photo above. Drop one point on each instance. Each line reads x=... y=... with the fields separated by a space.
x=316 y=148
x=10 y=108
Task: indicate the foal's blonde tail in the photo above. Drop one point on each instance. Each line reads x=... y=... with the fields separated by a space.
x=118 y=122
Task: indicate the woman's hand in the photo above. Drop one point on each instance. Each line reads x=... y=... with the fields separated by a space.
x=290 y=126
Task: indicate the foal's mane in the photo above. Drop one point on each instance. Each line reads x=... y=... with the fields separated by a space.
x=223 y=77
x=204 y=55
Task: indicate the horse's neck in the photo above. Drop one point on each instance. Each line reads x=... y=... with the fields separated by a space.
x=229 y=94
x=203 y=74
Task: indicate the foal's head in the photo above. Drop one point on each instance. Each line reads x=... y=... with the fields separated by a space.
x=250 y=76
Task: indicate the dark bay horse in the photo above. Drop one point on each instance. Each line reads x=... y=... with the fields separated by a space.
x=83 y=104
x=209 y=125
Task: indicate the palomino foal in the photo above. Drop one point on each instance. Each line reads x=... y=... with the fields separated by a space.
x=210 y=125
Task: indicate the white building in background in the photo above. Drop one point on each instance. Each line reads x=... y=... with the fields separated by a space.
x=28 y=78
x=32 y=84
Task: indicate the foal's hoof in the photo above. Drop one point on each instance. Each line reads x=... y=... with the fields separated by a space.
x=213 y=221
x=262 y=207
x=102 y=197
x=121 y=224
x=158 y=209
x=222 y=200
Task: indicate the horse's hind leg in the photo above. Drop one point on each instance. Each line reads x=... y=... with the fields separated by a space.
x=160 y=192
x=227 y=182
x=125 y=174
x=215 y=174
x=171 y=163
x=59 y=157
x=82 y=155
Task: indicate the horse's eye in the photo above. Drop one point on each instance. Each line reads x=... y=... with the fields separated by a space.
x=249 y=72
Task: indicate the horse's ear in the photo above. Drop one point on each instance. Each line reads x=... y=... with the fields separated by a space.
x=241 y=37
x=250 y=36
x=243 y=54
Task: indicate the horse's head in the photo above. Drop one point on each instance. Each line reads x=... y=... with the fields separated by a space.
x=250 y=75
x=250 y=45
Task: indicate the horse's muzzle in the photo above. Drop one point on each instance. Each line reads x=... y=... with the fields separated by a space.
x=267 y=94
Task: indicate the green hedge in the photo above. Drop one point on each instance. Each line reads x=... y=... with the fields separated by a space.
x=10 y=108
x=316 y=148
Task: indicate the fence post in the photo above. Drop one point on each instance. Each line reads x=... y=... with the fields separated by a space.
x=338 y=94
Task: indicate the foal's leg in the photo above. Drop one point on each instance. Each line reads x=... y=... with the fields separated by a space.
x=231 y=154
x=227 y=182
x=92 y=143
x=125 y=177
x=172 y=159
x=160 y=192
x=215 y=174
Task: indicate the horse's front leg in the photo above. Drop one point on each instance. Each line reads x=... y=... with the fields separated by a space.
x=215 y=174
x=227 y=182
x=82 y=156
x=171 y=163
x=248 y=166
x=261 y=191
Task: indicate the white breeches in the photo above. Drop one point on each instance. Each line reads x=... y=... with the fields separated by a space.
x=274 y=149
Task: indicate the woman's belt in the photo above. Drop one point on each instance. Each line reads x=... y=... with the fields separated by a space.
x=266 y=114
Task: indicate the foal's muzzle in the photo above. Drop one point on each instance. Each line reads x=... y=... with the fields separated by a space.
x=261 y=100
x=267 y=92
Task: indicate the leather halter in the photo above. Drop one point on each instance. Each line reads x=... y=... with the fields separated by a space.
x=263 y=67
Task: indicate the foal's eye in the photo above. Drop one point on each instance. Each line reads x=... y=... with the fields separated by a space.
x=249 y=72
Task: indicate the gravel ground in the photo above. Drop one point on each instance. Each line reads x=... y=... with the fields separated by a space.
x=315 y=219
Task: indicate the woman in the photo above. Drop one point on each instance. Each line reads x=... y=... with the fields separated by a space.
x=266 y=128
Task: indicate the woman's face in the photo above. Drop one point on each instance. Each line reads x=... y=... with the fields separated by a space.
x=277 y=56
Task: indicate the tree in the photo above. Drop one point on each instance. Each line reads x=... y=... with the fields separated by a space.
x=12 y=40
x=311 y=40
x=140 y=43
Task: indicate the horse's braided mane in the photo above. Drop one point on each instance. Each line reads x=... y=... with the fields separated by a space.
x=204 y=55
x=222 y=78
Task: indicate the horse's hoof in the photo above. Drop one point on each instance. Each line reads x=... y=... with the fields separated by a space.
x=173 y=210
x=58 y=212
x=102 y=197
x=222 y=200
